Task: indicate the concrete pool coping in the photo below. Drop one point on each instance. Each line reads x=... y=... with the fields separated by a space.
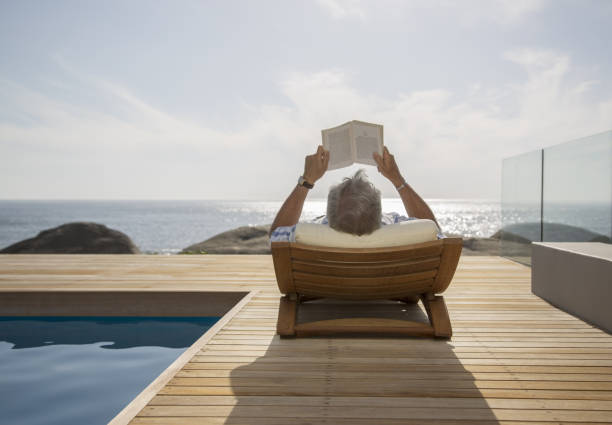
x=130 y=411
x=129 y=302
x=122 y=303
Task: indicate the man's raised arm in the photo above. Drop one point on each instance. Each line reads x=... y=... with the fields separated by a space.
x=414 y=204
x=315 y=166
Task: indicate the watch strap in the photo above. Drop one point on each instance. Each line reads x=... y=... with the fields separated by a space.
x=303 y=182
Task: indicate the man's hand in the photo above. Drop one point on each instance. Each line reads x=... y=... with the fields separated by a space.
x=315 y=165
x=388 y=168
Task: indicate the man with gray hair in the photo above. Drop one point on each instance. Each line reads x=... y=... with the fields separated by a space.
x=353 y=206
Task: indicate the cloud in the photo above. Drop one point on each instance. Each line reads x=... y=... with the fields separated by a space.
x=539 y=59
x=449 y=146
x=467 y=12
x=505 y=11
x=340 y=9
x=130 y=124
x=435 y=131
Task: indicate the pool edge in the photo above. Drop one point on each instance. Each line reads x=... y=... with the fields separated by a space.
x=132 y=409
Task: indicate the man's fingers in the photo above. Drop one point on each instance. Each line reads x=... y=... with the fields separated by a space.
x=324 y=156
x=377 y=158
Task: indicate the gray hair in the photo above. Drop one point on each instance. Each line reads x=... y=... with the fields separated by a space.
x=354 y=206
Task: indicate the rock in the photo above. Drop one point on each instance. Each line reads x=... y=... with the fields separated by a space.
x=477 y=246
x=243 y=240
x=517 y=239
x=512 y=237
x=254 y=240
x=480 y=246
x=75 y=238
x=553 y=232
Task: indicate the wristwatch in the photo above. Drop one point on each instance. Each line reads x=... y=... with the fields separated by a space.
x=302 y=182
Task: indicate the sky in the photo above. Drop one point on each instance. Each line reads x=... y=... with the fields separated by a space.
x=223 y=99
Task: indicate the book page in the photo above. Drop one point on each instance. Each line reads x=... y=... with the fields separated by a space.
x=368 y=139
x=337 y=141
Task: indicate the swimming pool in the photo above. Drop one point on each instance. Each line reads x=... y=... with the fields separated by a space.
x=84 y=370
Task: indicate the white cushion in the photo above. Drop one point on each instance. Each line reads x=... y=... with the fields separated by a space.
x=403 y=233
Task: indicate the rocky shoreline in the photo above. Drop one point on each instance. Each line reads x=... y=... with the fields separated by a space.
x=94 y=238
x=75 y=238
x=254 y=240
x=243 y=240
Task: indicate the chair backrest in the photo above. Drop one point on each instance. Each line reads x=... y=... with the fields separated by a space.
x=360 y=273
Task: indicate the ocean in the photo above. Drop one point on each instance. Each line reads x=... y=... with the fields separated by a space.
x=166 y=227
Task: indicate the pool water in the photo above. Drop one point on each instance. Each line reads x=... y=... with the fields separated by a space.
x=84 y=370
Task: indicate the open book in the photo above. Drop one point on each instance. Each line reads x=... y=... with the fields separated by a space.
x=354 y=141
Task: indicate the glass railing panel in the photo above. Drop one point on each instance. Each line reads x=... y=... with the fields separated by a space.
x=577 y=195
x=521 y=205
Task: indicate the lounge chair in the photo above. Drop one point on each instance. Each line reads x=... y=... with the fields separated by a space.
x=408 y=273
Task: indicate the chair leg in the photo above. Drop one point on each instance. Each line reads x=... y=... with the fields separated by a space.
x=287 y=314
x=438 y=315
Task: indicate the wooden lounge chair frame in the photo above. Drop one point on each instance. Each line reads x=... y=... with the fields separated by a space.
x=407 y=273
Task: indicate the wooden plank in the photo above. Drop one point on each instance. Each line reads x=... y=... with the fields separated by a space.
x=381 y=367
x=338 y=421
x=392 y=291
x=390 y=375
x=390 y=392
x=359 y=326
x=367 y=270
x=423 y=402
x=367 y=387
x=365 y=282
x=346 y=354
x=368 y=412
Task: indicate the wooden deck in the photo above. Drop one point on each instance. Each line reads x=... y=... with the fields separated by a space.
x=513 y=359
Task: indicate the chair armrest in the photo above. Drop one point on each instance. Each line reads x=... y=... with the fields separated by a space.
x=281 y=257
x=449 y=259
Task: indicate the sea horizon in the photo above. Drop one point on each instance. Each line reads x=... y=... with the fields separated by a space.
x=217 y=199
x=168 y=226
